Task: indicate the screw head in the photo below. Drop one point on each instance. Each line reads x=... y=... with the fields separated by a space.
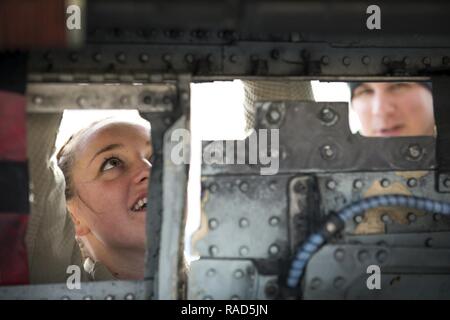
x=414 y=151
x=357 y=184
x=273 y=116
x=331 y=184
x=358 y=218
x=412 y=182
x=385 y=183
x=327 y=152
x=328 y=116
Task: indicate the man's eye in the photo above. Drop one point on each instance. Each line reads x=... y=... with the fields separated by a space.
x=110 y=163
x=362 y=92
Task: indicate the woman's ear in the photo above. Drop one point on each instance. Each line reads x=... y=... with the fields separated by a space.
x=81 y=228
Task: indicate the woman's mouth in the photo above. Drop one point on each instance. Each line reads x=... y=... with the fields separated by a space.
x=140 y=205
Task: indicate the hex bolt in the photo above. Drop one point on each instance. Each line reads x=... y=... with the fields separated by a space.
x=299 y=187
x=365 y=60
x=129 y=296
x=273 y=221
x=213 y=224
x=213 y=187
x=346 y=61
x=211 y=272
x=363 y=256
x=213 y=251
x=358 y=218
x=426 y=61
x=243 y=251
x=121 y=57
x=315 y=283
x=412 y=182
x=327 y=152
x=244 y=223
x=358 y=184
x=385 y=183
x=339 y=254
x=274 y=249
x=412 y=217
x=331 y=184
x=414 y=151
x=325 y=60
x=328 y=115
x=238 y=274
x=38 y=100
x=271 y=289
x=429 y=242
x=381 y=256
x=243 y=186
x=143 y=57
x=339 y=282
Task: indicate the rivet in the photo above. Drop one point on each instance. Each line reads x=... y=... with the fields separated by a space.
x=328 y=116
x=143 y=57
x=121 y=57
x=37 y=100
x=274 y=249
x=315 y=283
x=275 y=54
x=339 y=282
x=386 y=60
x=358 y=218
x=238 y=274
x=414 y=151
x=109 y=297
x=271 y=289
x=325 y=60
x=446 y=182
x=233 y=58
x=437 y=217
x=273 y=221
x=330 y=227
x=213 y=224
x=207 y=298
x=147 y=100
x=125 y=100
x=331 y=184
x=243 y=251
x=129 y=296
x=412 y=182
x=358 y=184
x=243 y=186
x=167 y=100
x=189 y=58
x=365 y=60
x=211 y=272
x=426 y=60
x=385 y=183
x=213 y=250
x=213 y=187
x=412 y=217
x=74 y=57
x=363 y=256
x=346 y=61
x=386 y=218
x=82 y=101
x=339 y=254
x=97 y=57
x=406 y=60
x=244 y=223
x=234 y=297
x=273 y=185
x=273 y=116
x=87 y=298
x=166 y=57
x=429 y=242
x=381 y=256
x=65 y=298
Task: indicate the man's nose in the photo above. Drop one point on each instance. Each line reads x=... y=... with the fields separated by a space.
x=143 y=171
x=382 y=104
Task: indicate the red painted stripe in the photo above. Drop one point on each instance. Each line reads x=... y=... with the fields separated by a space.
x=12 y=127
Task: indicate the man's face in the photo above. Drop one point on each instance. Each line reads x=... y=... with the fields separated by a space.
x=394 y=109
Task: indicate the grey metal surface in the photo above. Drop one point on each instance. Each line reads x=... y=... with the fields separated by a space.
x=340 y=272
x=440 y=240
x=105 y=290
x=223 y=279
x=243 y=217
x=310 y=142
x=171 y=271
x=56 y=97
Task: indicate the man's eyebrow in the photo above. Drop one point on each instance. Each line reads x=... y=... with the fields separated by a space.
x=107 y=148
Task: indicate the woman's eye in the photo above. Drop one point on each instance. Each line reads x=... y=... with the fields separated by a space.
x=110 y=163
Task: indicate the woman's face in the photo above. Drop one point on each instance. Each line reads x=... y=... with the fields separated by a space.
x=110 y=178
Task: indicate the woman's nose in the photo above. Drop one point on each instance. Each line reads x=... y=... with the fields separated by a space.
x=143 y=172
